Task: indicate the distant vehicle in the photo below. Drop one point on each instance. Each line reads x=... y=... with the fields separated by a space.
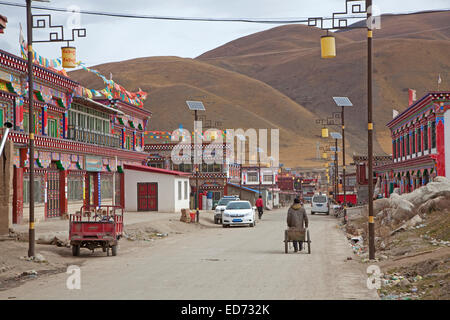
x=239 y=213
x=221 y=205
x=319 y=204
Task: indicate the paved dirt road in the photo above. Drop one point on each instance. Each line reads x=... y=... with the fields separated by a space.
x=217 y=263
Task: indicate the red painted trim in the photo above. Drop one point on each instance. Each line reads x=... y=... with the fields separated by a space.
x=155 y=170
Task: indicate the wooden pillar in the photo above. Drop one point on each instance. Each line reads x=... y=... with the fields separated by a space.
x=63 y=190
x=18 y=195
x=97 y=190
x=440 y=146
x=429 y=135
x=122 y=190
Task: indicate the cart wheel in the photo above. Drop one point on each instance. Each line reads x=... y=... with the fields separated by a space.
x=286 y=242
x=216 y=221
x=76 y=250
x=309 y=242
x=114 y=250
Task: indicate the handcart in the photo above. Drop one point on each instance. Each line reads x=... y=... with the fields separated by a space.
x=297 y=234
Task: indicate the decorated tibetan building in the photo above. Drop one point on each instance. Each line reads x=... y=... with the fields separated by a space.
x=81 y=144
x=212 y=177
x=420 y=145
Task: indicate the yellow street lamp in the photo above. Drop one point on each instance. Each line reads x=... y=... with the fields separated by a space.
x=328 y=46
x=324 y=132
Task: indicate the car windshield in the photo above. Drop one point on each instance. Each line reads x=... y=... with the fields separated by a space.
x=224 y=201
x=320 y=199
x=236 y=205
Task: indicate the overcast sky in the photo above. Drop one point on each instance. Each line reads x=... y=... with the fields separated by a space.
x=115 y=39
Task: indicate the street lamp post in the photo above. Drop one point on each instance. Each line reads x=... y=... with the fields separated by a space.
x=53 y=37
x=328 y=50
x=196 y=106
x=343 y=102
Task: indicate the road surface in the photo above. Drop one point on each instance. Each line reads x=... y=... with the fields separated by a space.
x=217 y=263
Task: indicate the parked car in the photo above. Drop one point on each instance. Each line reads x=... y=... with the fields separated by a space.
x=221 y=205
x=239 y=213
x=319 y=204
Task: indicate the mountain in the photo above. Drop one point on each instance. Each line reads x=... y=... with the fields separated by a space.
x=409 y=52
x=229 y=97
x=276 y=79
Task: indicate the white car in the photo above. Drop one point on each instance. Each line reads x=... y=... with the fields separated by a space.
x=319 y=204
x=239 y=213
x=221 y=207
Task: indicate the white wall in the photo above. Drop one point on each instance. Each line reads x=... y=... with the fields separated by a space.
x=447 y=142
x=167 y=190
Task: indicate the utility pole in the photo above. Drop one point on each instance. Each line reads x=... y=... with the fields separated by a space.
x=31 y=231
x=370 y=129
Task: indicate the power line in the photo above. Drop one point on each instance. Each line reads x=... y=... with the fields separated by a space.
x=175 y=18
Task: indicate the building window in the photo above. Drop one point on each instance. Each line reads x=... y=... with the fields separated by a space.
x=425 y=137
x=413 y=142
x=37 y=190
x=433 y=134
x=179 y=190
x=1 y=117
x=394 y=150
x=52 y=128
x=419 y=140
x=252 y=176
x=403 y=146
x=75 y=188
x=106 y=187
x=407 y=145
x=268 y=178
x=398 y=148
x=186 y=193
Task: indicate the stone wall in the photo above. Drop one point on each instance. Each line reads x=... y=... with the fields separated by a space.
x=6 y=187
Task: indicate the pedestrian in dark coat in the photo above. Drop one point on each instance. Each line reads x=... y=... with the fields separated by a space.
x=297 y=218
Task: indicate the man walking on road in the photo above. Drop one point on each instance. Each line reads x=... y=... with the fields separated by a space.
x=297 y=218
x=259 y=204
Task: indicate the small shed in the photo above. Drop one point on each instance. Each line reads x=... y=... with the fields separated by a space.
x=244 y=193
x=154 y=189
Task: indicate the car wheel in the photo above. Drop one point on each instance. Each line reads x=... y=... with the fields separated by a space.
x=224 y=225
x=312 y=212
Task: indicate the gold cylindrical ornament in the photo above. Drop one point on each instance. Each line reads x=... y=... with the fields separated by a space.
x=328 y=46
x=69 y=57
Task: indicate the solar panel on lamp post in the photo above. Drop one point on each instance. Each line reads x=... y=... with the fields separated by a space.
x=343 y=102
x=196 y=106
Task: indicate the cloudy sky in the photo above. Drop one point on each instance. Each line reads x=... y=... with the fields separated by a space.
x=115 y=39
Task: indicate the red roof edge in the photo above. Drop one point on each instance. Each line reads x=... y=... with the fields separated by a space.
x=155 y=170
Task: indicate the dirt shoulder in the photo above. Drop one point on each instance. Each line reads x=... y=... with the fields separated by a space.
x=54 y=255
x=415 y=262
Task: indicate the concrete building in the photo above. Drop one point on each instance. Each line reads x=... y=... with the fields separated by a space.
x=155 y=189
